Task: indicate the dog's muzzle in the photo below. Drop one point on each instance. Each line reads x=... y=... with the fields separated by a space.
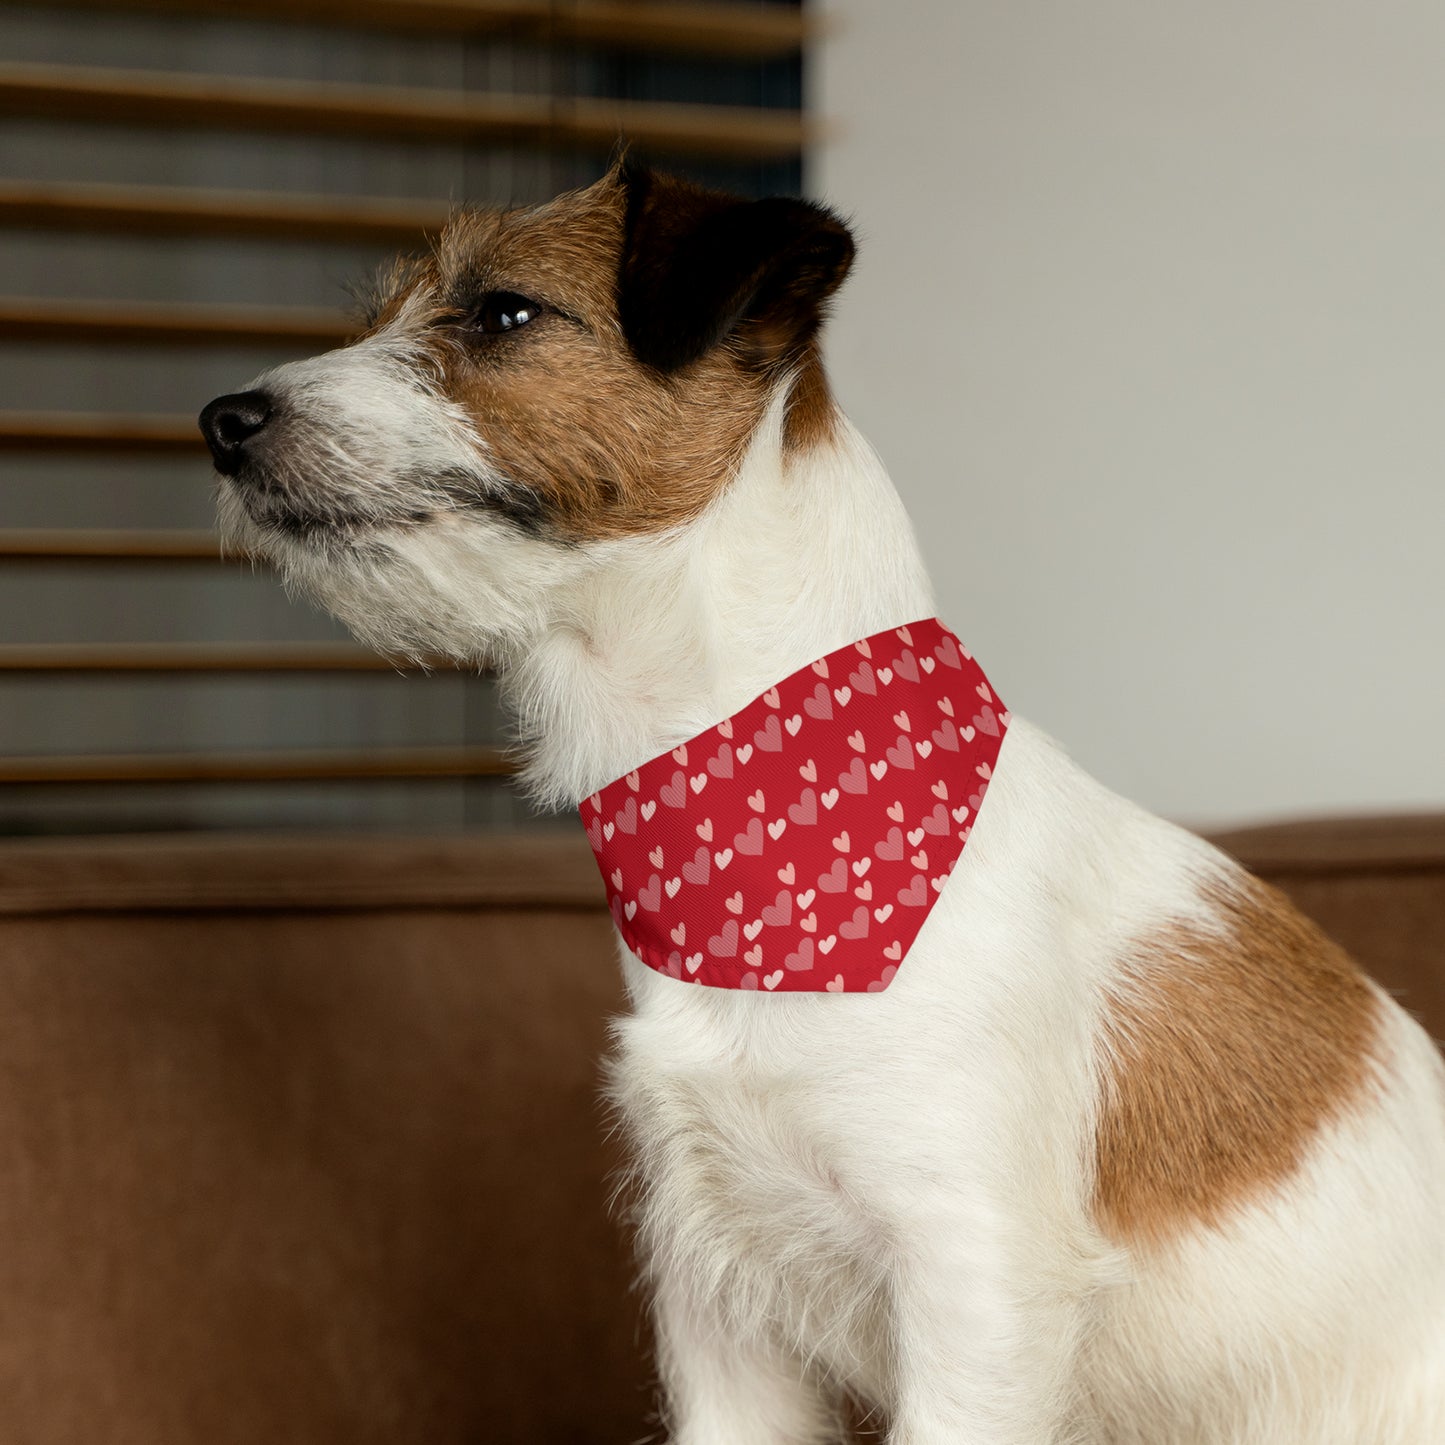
x=230 y=422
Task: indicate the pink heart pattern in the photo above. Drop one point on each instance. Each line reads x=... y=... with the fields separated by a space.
x=868 y=787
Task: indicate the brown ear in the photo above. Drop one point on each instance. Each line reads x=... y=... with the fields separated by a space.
x=700 y=266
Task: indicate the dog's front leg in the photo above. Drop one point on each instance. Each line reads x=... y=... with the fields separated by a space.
x=984 y=1349
x=721 y=1387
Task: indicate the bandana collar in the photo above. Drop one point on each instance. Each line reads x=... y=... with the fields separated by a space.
x=798 y=845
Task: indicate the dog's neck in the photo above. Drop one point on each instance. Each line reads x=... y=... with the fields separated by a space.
x=668 y=635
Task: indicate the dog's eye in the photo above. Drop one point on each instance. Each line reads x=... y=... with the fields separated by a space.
x=504 y=311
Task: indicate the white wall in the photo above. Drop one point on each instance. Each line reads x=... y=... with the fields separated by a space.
x=1149 y=323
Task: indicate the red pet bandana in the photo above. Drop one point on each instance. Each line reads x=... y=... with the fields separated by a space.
x=799 y=844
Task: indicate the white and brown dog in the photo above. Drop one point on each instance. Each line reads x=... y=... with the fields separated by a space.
x=1128 y=1152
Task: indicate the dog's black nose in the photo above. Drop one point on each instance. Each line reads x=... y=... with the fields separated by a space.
x=229 y=422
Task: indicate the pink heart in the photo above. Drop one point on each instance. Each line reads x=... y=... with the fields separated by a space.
x=916 y=894
x=937 y=821
x=721 y=766
x=857 y=926
x=780 y=913
x=835 y=880
x=750 y=840
x=891 y=848
x=802 y=959
x=805 y=811
x=769 y=737
x=725 y=944
x=820 y=705
x=700 y=869
x=855 y=780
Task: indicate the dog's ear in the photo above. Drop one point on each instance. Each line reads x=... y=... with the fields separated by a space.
x=699 y=266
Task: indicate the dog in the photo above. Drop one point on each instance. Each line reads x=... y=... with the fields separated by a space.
x=1124 y=1152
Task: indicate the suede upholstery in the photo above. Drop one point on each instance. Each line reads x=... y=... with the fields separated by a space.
x=302 y=1138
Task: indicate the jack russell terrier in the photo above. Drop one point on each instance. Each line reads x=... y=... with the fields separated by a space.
x=956 y=1085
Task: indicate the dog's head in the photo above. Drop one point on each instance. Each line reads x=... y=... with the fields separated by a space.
x=547 y=383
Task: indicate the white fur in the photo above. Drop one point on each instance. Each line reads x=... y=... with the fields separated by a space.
x=890 y=1194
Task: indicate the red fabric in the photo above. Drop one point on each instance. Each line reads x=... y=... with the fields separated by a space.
x=799 y=844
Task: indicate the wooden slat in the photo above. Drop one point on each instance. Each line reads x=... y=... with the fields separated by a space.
x=80 y=431
x=195 y=657
x=258 y=767
x=171 y=323
x=177 y=211
x=75 y=544
x=219 y=102
x=711 y=29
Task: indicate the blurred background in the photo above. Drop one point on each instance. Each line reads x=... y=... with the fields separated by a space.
x=186 y=193
x=1149 y=324
x=1146 y=322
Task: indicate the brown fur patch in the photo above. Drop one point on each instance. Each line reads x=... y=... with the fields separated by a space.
x=1226 y=1054
x=603 y=444
x=812 y=413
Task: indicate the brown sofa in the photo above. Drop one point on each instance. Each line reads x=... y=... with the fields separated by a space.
x=300 y=1138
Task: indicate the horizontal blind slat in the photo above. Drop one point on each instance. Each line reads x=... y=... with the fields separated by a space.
x=171 y=323
x=229 y=657
x=218 y=102
x=96 y=544
x=85 y=431
x=709 y=28
x=179 y=210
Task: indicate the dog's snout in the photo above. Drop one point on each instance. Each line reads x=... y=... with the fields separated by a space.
x=229 y=422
